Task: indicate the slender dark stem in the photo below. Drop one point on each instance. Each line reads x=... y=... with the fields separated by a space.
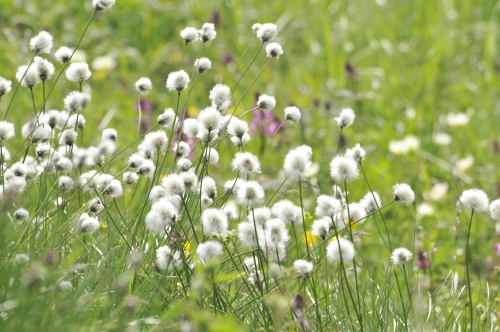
x=237 y=82
x=139 y=108
x=69 y=60
x=402 y=301
x=18 y=85
x=340 y=138
x=467 y=262
x=303 y=219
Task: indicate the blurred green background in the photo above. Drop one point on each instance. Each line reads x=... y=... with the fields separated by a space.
x=401 y=65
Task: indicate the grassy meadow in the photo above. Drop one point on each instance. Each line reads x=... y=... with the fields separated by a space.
x=422 y=78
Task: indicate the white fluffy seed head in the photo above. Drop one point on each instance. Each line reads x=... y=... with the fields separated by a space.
x=343 y=168
x=266 y=32
x=297 y=162
x=208 y=187
x=401 y=256
x=256 y=27
x=4 y=155
x=214 y=221
x=28 y=77
x=63 y=54
x=6 y=130
x=357 y=153
x=41 y=134
x=189 y=35
x=232 y=186
x=154 y=223
x=76 y=101
x=250 y=193
x=274 y=50
x=190 y=127
x=321 y=227
x=303 y=267
x=147 y=168
x=345 y=118
x=276 y=233
x=114 y=189
x=340 y=250
x=130 y=177
x=240 y=141
x=167 y=118
x=266 y=102
x=404 y=194
x=5 y=86
x=354 y=212
x=41 y=43
x=184 y=164
x=474 y=199
x=163 y=257
x=292 y=114
x=68 y=137
x=102 y=5
x=135 y=160
x=156 y=141
x=65 y=183
x=190 y=181
x=210 y=119
x=237 y=128
x=220 y=96
x=327 y=206
x=76 y=120
x=370 y=203
x=207 y=32
x=21 y=214
x=109 y=134
x=177 y=81
x=259 y=216
x=209 y=250
x=495 y=210
x=44 y=68
x=249 y=235
x=96 y=205
x=287 y=212
x=182 y=150
x=211 y=155
x=144 y=85
x=88 y=224
x=245 y=164
x=78 y=72
x=173 y=184
x=202 y=65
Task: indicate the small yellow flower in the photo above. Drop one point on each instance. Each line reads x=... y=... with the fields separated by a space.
x=187 y=247
x=351 y=224
x=307 y=216
x=311 y=239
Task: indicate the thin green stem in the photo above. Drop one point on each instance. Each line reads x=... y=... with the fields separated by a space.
x=251 y=62
x=467 y=263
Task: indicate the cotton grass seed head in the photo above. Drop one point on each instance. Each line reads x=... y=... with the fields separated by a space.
x=214 y=221
x=21 y=214
x=208 y=187
x=340 y=249
x=209 y=250
x=303 y=267
x=495 y=210
x=266 y=102
x=274 y=50
x=245 y=163
x=401 y=256
x=327 y=206
x=65 y=183
x=6 y=130
x=297 y=161
x=76 y=101
x=210 y=119
x=287 y=212
x=292 y=114
x=354 y=212
x=474 y=199
x=5 y=86
x=63 y=54
x=403 y=193
x=102 y=5
x=177 y=81
x=249 y=235
x=276 y=233
x=163 y=257
x=143 y=85
x=321 y=227
x=78 y=72
x=41 y=43
x=173 y=184
x=357 y=153
x=220 y=96
x=345 y=118
x=189 y=35
x=250 y=193
x=259 y=216
x=370 y=203
x=256 y=27
x=207 y=32
x=28 y=77
x=202 y=65
x=266 y=32
x=237 y=128
x=184 y=164
x=44 y=68
x=343 y=168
